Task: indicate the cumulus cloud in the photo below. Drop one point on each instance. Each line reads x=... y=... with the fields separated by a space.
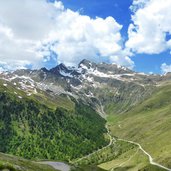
x=150 y=27
x=165 y=68
x=23 y=25
x=80 y=37
x=32 y=30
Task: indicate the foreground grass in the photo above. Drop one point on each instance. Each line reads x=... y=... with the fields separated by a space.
x=88 y=168
x=12 y=163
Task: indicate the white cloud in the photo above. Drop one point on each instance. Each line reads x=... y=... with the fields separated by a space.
x=151 y=23
x=29 y=19
x=23 y=24
x=165 y=68
x=123 y=61
x=80 y=37
x=30 y=29
x=137 y=4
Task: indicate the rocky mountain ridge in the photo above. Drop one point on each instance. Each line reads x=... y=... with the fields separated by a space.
x=106 y=87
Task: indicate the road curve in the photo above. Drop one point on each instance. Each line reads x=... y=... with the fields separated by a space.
x=57 y=165
x=146 y=153
x=110 y=143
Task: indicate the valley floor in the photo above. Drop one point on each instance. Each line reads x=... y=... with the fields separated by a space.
x=131 y=157
x=118 y=155
x=151 y=160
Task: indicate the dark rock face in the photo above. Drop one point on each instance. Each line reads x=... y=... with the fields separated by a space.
x=58 y=68
x=87 y=63
x=63 y=71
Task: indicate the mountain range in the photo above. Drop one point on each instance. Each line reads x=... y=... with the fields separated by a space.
x=62 y=113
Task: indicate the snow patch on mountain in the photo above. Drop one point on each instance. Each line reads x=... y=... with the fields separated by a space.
x=65 y=74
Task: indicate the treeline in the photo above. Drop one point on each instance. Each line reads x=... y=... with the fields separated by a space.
x=32 y=130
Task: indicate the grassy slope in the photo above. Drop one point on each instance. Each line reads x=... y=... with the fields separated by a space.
x=106 y=154
x=43 y=97
x=13 y=163
x=120 y=156
x=130 y=160
x=34 y=125
x=148 y=124
x=87 y=168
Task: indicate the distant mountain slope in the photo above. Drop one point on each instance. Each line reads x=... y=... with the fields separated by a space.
x=148 y=124
x=106 y=87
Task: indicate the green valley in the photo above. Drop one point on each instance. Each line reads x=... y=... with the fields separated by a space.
x=112 y=119
x=148 y=124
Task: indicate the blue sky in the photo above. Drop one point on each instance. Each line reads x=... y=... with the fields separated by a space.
x=119 y=9
x=44 y=33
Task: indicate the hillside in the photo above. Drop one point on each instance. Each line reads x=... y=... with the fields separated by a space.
x=33 y=130
x=58 y=114
x=13 y=163
x=148 y=124
x=107 y=87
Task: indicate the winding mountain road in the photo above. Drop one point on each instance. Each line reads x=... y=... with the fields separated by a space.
x=151 y=160
x=126 y=160
x=64 y=167
x=110 y=143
